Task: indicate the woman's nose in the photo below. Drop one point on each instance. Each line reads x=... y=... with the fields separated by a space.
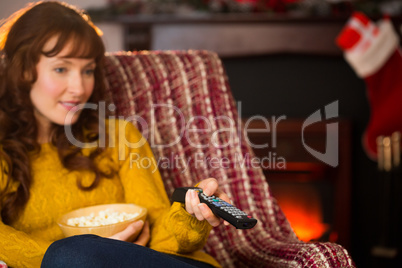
x=76 y=85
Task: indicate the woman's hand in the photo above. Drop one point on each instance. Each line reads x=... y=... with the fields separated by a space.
x=200 y=210
x=130 y=233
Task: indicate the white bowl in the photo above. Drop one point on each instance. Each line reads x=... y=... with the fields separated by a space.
x=105 y=230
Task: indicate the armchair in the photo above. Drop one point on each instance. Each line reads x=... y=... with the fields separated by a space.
x=182 y=103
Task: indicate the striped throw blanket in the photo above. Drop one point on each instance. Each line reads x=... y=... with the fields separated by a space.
x=182 y=103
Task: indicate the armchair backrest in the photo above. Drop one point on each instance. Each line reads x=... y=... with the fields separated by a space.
x=182 y=103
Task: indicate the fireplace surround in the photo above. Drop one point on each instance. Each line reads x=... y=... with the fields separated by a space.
x=315 y=197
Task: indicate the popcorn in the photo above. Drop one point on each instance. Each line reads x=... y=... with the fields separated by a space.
x=104 y=217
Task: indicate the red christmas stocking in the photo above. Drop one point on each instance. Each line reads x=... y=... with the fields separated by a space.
x=373 y=52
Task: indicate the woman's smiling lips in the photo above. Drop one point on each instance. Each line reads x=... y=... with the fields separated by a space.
x=70 y=105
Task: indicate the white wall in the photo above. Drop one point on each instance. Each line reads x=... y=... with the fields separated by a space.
x=112 y=33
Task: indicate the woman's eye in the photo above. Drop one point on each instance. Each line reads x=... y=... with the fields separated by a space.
x=60 y=70
x=89 y=72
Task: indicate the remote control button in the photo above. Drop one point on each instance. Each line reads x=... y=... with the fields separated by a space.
x=216 y=204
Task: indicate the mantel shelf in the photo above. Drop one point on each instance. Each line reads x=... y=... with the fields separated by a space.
x=233 y=35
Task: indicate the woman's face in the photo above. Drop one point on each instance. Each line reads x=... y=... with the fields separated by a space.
x=62 y=84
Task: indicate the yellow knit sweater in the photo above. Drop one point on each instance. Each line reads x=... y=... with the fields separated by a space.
x=54 y=192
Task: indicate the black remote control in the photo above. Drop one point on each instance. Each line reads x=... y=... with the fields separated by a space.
x=219 y=207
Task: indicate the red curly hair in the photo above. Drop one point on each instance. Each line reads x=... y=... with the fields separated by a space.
x=22 y=38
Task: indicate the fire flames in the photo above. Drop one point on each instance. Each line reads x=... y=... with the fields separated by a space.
x=302 y=207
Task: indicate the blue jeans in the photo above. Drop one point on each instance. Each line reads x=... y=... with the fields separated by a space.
x=93 y=251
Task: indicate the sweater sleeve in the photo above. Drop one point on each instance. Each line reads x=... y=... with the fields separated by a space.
x=173 y=230
x=19 y=249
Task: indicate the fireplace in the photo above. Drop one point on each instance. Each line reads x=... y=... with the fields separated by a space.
x=303 y=206
x=314 y=196
x=307 y=202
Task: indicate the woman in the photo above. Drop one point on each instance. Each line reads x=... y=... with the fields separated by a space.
x=51 y=66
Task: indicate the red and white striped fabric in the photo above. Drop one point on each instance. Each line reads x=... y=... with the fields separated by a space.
x=166 y=93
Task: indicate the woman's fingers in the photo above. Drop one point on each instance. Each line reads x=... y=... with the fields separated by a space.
x=129 y=233
x=202 y=211
x=195 y=201
x=209 y=186
x=189 y=208
x=144 y=236
x=208 y=215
